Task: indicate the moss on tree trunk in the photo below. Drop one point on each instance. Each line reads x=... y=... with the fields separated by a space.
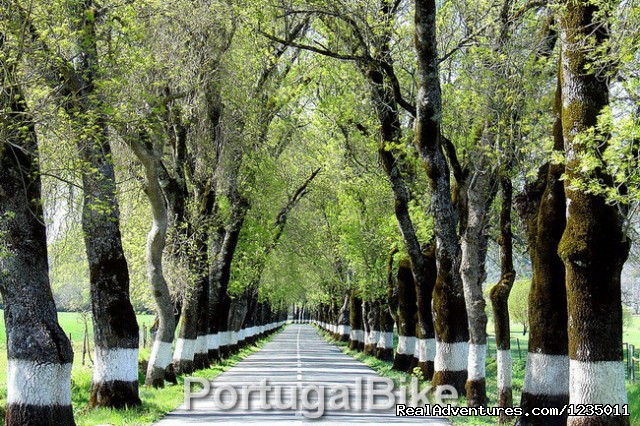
x=594 y=246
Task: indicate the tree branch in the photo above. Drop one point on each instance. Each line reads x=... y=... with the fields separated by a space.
x=295 y=198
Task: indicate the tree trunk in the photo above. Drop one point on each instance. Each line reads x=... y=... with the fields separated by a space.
x=593 y=247
x=115 y=373
x=479 y=197
x=160 y=357
x=407 y=310
x=356 y=336
x=38 y=351
x=499 y=296
x=384 y=347
x=373 y=322
x=215 y=298
x=426 y=344
x=387 y=309
x=449 y=311
x=542 y=208
x=115 y=378
x=220 y=280
x=184 y=352
x=191 y=352
x=344 y=329
x=201 y=355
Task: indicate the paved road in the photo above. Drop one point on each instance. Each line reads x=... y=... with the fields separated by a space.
x=296 y=362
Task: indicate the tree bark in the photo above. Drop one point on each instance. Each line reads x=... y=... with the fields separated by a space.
x=160 y=357
x=373 y=332
x=449 y=311
x=406 y=320
x=542 y=209
x=356 y=336
x=499 y=295
x=39 y=353
x=344 y=329
x=387 y=321
x=479 y=197
x=221 y=275
x=386 y=106
x=594 y=246
x=389 y=118
x=384 y=347
x=115 y=378
x=426 y=344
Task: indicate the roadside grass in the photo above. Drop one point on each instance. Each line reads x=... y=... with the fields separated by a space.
x=384 y=368
x=155 y=402
x=634 y=403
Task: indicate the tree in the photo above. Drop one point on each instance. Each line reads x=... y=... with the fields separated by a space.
x=593 y=246
x=500 y=296
x=38 y=351
x=541 y=207
x=519 y=303
x=450 y=317
x=149 y=155
x=115 y=381
x=406 y=318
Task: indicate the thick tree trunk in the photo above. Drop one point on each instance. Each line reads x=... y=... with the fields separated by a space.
x=386 y=107
x=115 y=374
x=356 y=336
x=388 y=308
x=407 y=310
x=499 y=295
x=426 y=344
x=38 y=351
x=449 y=311
x=184 y=352
x=390 y=131
x=384 y=347
x=542 y=208
x=165 y=324
x=201 y=355
x=215 y=298
x=344 y=329
x=373 y=332
x=191 y=352
x=479 y=197
x=220 y=280
x=593 y=247
x=160 y=357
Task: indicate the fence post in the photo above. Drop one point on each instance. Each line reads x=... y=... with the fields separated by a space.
x=519 y=354
x=626 y=353
x=144 y=335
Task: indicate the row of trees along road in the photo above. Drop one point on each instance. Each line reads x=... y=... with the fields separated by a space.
x=357 y=161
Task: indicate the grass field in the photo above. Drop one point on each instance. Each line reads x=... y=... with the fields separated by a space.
x=155 y=402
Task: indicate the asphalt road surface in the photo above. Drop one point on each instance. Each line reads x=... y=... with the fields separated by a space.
x=283 y=384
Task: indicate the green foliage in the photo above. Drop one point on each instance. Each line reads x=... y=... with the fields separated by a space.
x=519 y=302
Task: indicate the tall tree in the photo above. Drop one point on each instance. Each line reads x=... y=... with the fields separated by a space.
x=541 y=207
x=38 y=351
x=593 y=247
x=499 y=295
x=150 y=154
x=449 y=311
